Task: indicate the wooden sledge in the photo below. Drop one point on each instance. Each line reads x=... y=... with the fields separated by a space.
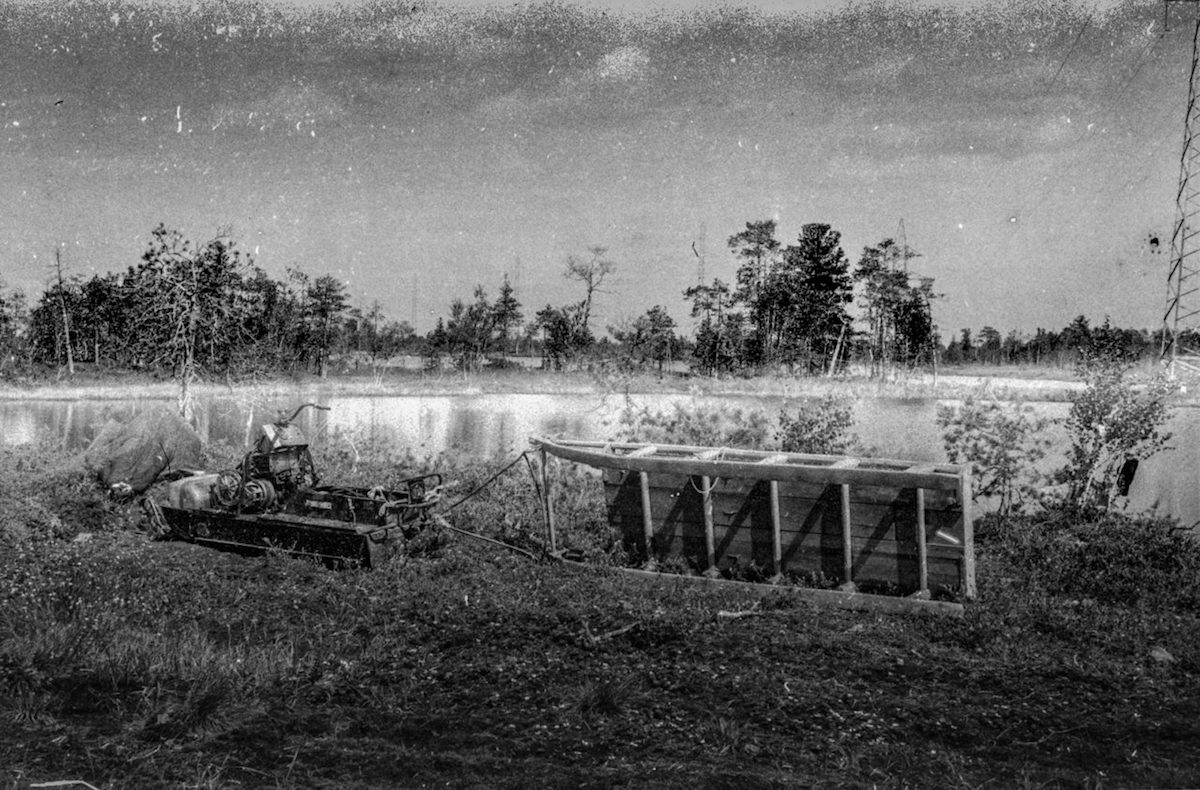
x=903 y=527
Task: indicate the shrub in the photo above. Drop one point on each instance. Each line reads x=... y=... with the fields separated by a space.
x=1110 y=422
x=693 y=423
x=817 y=426
x=1110 y=557
x=821 y=426
x=1002 y=443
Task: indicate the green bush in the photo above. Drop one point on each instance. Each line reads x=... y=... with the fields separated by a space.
x=693 y=423
x=1110 y=422
x=820 y=426
x=816 y=426
x=1109 y=557
x=1002 y=443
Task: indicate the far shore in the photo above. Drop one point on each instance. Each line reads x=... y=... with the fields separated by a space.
x=1038 y=384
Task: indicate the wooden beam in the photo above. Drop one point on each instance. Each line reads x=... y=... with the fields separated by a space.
x=647 y=518
x=964 y=493
x=829 y=598
x=642 y=452
x=555 y=445
x=776 y=530
x=755 y=470
x=710 y=542
x=774 y=459
x=547 y=510
x=847 y=540
x=922 y=548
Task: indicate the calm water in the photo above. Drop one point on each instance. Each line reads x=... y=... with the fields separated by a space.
x=486 y=426
x=478 y=425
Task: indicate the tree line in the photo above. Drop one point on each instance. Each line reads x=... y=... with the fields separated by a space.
x=205 y=309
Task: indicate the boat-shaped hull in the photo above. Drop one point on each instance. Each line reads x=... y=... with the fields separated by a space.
x=859 y=523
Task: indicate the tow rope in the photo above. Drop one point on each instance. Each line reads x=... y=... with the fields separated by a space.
x=447 y=525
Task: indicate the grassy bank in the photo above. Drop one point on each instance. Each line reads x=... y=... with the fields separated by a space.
x=132 y=663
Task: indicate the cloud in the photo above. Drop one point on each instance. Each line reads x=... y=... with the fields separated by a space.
x=612 y=87
x=623 y=64
x=290 y=106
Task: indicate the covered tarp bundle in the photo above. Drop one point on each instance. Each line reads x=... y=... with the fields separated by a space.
x=130 y=456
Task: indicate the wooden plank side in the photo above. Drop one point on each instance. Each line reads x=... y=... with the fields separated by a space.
x=606 y=454
x=872 y=472
x=678 y=501
x=828 y=598
x=883 y=538
x=874 y=563
x=934 y=500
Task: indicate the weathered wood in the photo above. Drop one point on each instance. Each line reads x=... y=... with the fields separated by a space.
x=547 y=509
x=835 y=599
x=710 y=546
x=815 y=469
x=847 y=537
x=922 y=548
x=728 y=493
x=812 y=532
x=678 y=500
x=776 y=531
x=968 y=532
x=879 y=523
x=615 y=450
x=647 y=514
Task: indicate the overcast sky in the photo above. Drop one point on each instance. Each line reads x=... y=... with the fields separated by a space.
x=1031 y=150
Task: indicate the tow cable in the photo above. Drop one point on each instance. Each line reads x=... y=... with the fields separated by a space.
x=441 y=520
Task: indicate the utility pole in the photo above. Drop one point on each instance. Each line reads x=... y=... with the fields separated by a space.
x=1183 y=277
x=62 y=306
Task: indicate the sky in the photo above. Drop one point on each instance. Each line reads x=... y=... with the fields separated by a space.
x=1029 y=151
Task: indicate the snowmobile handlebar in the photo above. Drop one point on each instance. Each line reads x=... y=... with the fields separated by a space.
x=301 y=408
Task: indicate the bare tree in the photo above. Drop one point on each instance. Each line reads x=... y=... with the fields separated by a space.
x=592 y=274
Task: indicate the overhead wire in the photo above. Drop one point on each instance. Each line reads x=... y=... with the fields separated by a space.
x=1150 y=52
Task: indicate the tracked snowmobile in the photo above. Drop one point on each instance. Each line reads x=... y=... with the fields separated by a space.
x=274 y=500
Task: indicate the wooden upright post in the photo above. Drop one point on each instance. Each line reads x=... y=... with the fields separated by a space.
x=710 y=542
x=922 y=549
x=647 y=517
x=776 y=532
x=847 y=542
x=964 y=494
x=547 y=510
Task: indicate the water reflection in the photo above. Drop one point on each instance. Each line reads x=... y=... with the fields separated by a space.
x=487 y=426
x=476 y=425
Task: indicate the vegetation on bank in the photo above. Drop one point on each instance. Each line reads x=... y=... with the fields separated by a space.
x=129 y=662
x=204 y=311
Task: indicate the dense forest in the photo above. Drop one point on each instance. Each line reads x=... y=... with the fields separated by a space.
x=191 y=310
